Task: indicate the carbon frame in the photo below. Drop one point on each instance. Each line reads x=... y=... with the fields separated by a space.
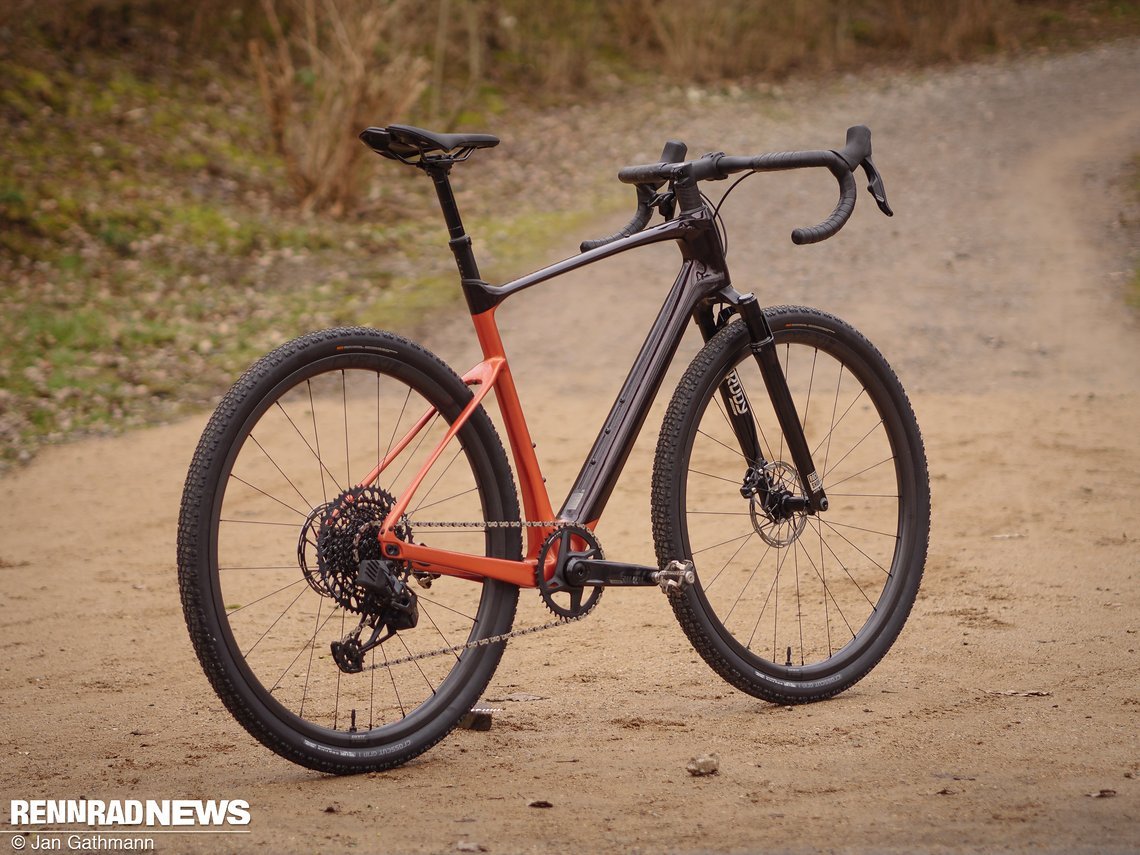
x=701 y=281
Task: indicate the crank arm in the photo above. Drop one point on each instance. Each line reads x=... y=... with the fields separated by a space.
x=598 y=572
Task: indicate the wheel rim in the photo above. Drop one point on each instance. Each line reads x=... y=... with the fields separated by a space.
x=312 y=437
x=804 y=601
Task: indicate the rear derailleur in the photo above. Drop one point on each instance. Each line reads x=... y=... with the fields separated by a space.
x=389 y=606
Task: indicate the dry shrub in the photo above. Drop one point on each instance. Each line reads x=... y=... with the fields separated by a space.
x=708 y=40
x=326 y=70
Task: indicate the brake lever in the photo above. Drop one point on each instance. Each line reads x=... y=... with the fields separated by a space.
x=875 y=186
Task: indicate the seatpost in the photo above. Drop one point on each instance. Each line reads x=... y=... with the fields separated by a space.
x=460 y=242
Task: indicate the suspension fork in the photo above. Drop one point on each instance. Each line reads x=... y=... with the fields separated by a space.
x=763 y=346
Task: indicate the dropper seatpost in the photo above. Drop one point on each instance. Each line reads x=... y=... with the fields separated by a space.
x=460 y=242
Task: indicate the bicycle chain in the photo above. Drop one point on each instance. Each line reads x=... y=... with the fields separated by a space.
x=494 y=639
x=482 y=642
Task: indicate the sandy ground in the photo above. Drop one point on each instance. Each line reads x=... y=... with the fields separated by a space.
x=1014 y=691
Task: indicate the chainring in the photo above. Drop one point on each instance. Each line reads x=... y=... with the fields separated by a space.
x=560 y=548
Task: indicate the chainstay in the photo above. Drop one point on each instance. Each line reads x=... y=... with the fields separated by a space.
x=406 y=520
x=482 y=642
x=493 y=639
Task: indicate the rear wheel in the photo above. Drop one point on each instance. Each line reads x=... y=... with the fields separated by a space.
x=791 y=606
x=276 y=519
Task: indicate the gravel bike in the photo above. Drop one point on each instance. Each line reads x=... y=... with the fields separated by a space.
x=351 y=543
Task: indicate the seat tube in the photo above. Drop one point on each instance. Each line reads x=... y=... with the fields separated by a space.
x=764 y=349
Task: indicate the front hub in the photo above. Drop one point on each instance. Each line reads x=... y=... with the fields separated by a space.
x=777 y=504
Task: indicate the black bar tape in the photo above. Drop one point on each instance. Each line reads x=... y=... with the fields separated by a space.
x=814 y=234
x=640 y=220
x=646 y=173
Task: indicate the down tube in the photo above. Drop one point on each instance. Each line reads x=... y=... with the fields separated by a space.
x=599 y=474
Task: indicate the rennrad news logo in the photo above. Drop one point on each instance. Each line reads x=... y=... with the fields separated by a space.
x=137 y=813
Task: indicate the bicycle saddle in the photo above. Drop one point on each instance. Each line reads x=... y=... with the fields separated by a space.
x=400 y=142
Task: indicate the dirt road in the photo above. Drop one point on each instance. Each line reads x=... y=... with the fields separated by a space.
x=1014 y=691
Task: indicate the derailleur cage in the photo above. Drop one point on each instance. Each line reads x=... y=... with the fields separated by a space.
x=390 y=605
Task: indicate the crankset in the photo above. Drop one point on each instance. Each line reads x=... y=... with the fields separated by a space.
x=564 y=592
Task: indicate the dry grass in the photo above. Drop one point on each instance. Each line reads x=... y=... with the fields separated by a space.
x=340 y=65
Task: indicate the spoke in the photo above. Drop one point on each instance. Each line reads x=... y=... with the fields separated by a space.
x=396 y=423
x=268 y=496
x=279 y=469
x=776 y=602
x=857 y=474
x=438 y=604
x=293 y=602
x=834 y=407
x=722 y=543
x=315 y=452
x=423 y=435
x=807 y=403
x=822 y=573
x=347 y=464
x=735 y=451
x=843 y=567
x=309 y=668
x=261 y=567
x=743 y=543
x=258 y=522
x=458 y=451
x=725 y=513
x=230 y=614
x=852 y=448
x=717 y=477
x=835 y=424
x=829 y=593
x=448 y=499
x=339 y=672
x=392 y=677
x=400 y=638
x=747 y=582
x=372 y=663
x=324 y=470
x=833 y=524
x=799 y=602
x=446 y=641
x=772 y=587
x=311 y=640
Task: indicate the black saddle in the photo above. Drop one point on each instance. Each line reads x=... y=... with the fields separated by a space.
x=403 y=142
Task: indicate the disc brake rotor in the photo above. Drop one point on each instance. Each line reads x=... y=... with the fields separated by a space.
x=776 y=526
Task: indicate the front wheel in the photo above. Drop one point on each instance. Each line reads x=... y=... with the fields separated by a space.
x=278 y=513
x=792 y=606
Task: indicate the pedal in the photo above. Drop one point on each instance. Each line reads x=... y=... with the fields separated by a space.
x=675 y=576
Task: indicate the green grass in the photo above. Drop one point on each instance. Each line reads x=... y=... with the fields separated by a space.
x=149 y=251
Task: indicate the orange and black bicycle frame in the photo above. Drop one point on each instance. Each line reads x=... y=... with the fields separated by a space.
x=702 y=283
